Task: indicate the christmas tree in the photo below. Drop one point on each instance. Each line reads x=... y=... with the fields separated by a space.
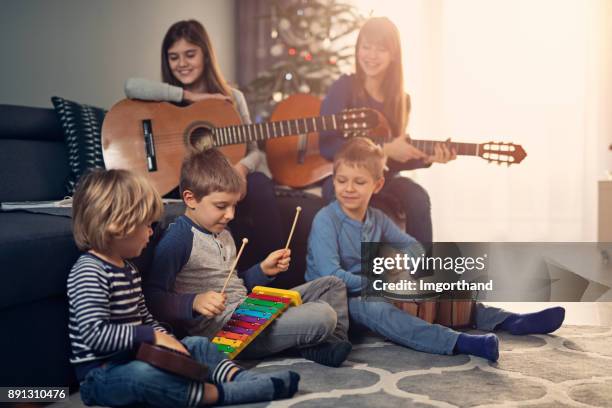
x=312 y=43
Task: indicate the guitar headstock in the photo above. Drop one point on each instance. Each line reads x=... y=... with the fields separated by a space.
x=499 y=153
x=360 y=122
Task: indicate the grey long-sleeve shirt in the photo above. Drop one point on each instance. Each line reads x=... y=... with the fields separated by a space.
x=190 y=260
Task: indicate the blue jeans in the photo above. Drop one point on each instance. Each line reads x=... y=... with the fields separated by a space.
x=136 y=382
x=409 y=331
x=413 y=200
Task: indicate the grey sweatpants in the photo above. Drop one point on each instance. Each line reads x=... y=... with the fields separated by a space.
x=323 y=316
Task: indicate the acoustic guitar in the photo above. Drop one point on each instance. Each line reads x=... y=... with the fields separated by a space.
x=152 y=138
x=295 y=161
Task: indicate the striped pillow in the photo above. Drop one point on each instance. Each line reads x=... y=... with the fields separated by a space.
x=82 y=126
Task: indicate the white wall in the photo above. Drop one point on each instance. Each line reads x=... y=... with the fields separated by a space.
x=84 y=50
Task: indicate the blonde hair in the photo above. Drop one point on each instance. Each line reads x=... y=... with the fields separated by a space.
x=362 y=152
x=208 y=171
x=109 y=204
x=396 y=106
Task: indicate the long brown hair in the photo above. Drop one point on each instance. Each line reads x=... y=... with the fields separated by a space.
x=381 y=31
x=194 y=32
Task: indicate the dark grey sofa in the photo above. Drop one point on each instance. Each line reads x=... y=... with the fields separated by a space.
x=37 y=250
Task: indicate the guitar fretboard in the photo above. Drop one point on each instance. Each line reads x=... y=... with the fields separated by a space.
x=263 y=131
x=462 y=149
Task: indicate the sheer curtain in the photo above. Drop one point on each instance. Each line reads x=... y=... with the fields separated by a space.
x=537 y=73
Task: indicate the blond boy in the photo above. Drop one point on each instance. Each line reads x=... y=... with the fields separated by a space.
x=334 y=250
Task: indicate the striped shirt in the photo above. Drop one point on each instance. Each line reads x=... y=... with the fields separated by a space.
x=107 y=312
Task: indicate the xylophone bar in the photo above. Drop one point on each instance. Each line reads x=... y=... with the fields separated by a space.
x=249 y=319
x=232 y=335
x=242 y=323
x=261 y=302
x=257 y=308
x=239 y=330
x=225 y=349
x=228 y=342
x=270 y=298
x=253 y=313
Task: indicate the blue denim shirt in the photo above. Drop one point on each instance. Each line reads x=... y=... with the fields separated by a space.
x=334 y=244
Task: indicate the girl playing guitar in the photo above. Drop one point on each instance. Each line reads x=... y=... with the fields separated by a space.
x=378 y=83
x=190 y=73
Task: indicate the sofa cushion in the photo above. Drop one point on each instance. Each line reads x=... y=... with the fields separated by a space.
x=33 y=158
x=29 y=123
x=32 y=170
x=82 y=126
x=36 y=254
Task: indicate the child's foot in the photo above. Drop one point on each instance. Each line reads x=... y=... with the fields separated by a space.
x=485 y=345
x=329 y=354
x=542 y=322
x=289 y=380
x=257 y=390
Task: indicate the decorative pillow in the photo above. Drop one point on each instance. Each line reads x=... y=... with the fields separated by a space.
x=82 y=126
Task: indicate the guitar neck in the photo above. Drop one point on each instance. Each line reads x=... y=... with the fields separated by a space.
x=462 y=149
x=263 y=131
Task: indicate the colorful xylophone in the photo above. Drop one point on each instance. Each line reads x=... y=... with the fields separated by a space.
x=258 y=310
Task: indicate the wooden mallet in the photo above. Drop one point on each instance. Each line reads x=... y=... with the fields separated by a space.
x=229 y=275
x=297 y=214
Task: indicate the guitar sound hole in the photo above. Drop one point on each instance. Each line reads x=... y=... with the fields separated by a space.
x=201 y=138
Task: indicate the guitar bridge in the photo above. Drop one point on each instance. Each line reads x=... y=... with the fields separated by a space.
x=149 y=143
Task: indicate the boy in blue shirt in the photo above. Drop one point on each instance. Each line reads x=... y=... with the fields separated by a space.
x=334 y=249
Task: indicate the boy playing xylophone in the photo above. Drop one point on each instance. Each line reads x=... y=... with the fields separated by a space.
x=195 y=255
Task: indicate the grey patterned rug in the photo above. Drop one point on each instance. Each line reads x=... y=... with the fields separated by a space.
x=572 y=368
